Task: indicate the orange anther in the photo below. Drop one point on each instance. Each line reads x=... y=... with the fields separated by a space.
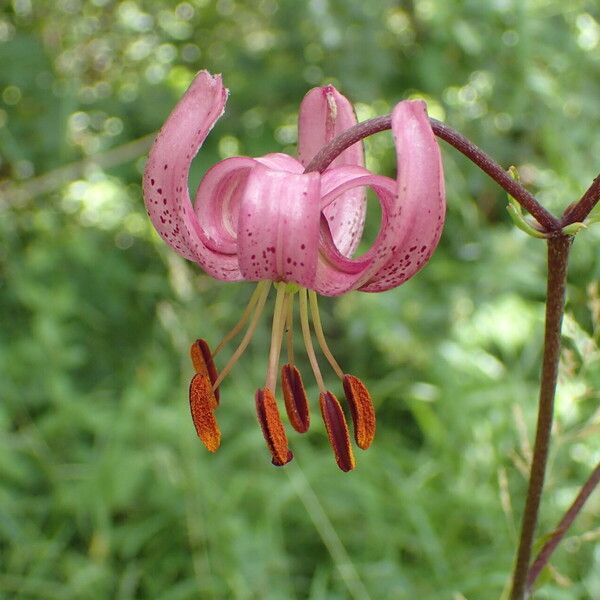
x=337 y=431
x=203 y=363
x=272 y=427
x=294 y=394
x=201 y=405
x=363 y=412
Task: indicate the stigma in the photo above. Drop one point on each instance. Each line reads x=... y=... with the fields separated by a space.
x=205 y=384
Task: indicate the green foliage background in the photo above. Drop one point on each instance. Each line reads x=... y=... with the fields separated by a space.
x=105 y=492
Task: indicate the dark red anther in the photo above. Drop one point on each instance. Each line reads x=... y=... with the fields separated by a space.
x=363 y=412
x=201 y=405
x=272 y=427
x=294 y=394
x=203 y=363
x=337 y=431
x=290 y=456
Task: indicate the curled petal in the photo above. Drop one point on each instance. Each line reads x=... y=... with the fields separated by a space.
x=278 y=226
x=166 y=175
x=217 y=202
x=422 y=204
x=218 y=197
x=336 y=273
x=281 y=162
x=324 y=114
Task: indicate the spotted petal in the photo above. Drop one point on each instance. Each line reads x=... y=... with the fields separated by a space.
x=421 y=197
x=278 y=226
x=336 y=273
x=324 y=114
x=166 y=192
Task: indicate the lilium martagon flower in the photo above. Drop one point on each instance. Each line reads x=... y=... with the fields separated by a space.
x=267 y=220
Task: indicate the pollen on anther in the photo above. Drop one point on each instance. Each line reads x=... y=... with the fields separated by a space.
x=362 y=410
x=294 y=395
x=201 y=406
x=272 y=427
x=337 y=431
x=203 y=363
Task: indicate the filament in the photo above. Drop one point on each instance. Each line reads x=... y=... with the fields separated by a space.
x=310 y=351
x=289 y=329
x=316 y=318
x=260 y=304
x=247 y=312
x=279 y=316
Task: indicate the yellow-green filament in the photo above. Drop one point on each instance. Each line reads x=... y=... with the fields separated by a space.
x=279 y=315
x=310 y=351
x=316 y=318
x=289 y=328
x=245 y=315
x=260 y=304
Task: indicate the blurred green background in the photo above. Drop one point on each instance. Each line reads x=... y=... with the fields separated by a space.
x=105 y=491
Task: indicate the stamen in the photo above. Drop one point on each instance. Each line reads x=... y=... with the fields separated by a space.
x=203 y=363
x=310 y=351
x=316 y=318
x=201 y=406
x=247 y=312
x=272 y=427
x=363 y=412
x=294 y=394
x=279 y=315
x=289 y=329
x=260 y=304
x=337 y=431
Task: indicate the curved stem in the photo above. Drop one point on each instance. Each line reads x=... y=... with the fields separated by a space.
x=557 y=535
x=580 y=210
x=558 y=254
x=330 y=151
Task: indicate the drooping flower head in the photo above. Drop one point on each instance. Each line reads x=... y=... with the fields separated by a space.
x=267 y=220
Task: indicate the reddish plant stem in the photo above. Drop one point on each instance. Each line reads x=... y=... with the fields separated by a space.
x=557 y=535
x=329 y=152
x=579 y=211
x=558 y=255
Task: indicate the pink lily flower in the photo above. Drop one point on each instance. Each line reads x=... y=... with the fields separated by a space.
x=264 y=219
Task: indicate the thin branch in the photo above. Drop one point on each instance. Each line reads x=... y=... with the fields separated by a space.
x=558 y=255
x=557 y=535
x=581 y=209
x=329 y=152
x=12 y=193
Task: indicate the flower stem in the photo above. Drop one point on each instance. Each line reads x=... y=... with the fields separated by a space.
x=354 y=134
x=558 y=254
x=557 y=535
x=579 y=211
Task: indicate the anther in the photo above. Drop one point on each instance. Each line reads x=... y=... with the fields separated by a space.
x=272 y=427
x=275 y=462
x=203 y=363
x=337 y=431
x=294 y=394
x=362 y=410
x=201 y=406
